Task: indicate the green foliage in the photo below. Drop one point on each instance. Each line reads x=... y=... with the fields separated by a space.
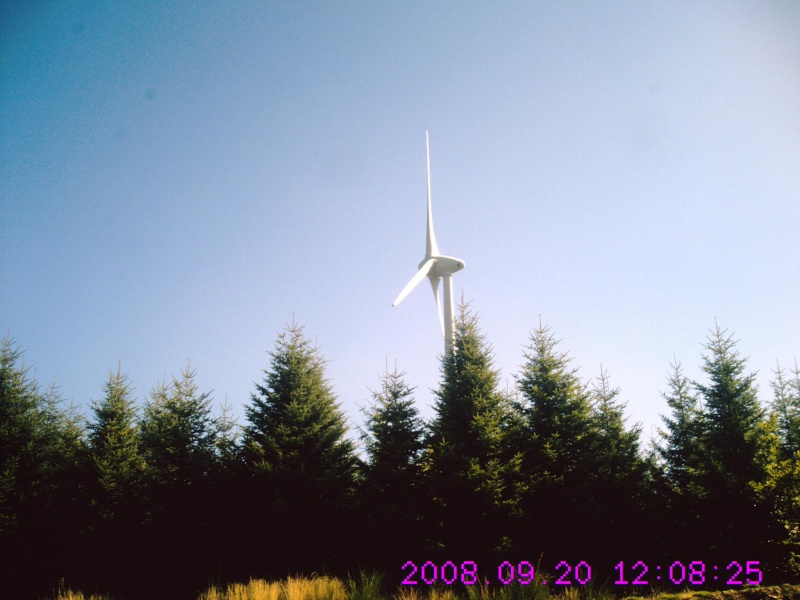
x=27 y=423
x=616 y=450
x=178 y=434
x=680 y=454
x=680 y=450
x=368 y=586
x=296 y=429
x=732 y=435
x=468 y=464
x=301 y=465
x=556 y=409
x=42 y=493
x=227 y=439
x=781 y=493
x=584 y=474
x=393 y=435
x=178 y=442
x=727 y=453
x=553 y=469
x=115 y=469
x=618 y=474
x=114 y=445
x=779 y=456
x=731 y=415
x=555 y=436
x=390 y=488
x=786 y=407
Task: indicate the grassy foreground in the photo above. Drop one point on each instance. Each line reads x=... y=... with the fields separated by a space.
x=369 y=587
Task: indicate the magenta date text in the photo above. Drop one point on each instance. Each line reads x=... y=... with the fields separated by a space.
x=694 y=573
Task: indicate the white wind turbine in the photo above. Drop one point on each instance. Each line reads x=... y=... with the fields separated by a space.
x=436 y=266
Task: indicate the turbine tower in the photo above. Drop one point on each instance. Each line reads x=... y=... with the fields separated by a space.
x=436 y=267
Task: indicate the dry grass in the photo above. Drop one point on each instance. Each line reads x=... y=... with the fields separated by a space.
x=72 y=595
x=441 y=593
x=255 y=589
x=368 y=587
x=294 y=588
x=407 y=593
x=314 y=588
x=65 y=593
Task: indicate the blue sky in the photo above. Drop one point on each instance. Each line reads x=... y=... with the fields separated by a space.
x=178 y=179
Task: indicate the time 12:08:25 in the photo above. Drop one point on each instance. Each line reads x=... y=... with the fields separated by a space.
x=697 y=573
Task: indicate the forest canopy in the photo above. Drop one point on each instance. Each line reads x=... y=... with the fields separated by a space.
x=545 y=472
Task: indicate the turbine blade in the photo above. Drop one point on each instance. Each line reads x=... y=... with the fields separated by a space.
x=423 y=270
x=430 y=242
x=435 y=286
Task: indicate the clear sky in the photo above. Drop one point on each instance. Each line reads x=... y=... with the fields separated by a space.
x=178 y=179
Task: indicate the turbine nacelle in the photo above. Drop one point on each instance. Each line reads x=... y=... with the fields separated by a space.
x=444 y=265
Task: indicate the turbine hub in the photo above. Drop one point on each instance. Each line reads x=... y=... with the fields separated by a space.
x=445 y=265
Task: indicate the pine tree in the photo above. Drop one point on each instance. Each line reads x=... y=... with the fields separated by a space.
x=228 y=486
x=42 y=492
x=681 y=459
x=390 y=489
x=618 y=477
x=779 y=493
x=116 y=469
x=786 y=407
x=555 y=437
x=731 y=440
x=179 y=437
x=300 y=463
x=469 y=465
x=114 y=445
x=778 y=500
x=227 y=439
x=680 y=449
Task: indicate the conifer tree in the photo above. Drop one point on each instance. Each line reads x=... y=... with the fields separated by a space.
x=731 y=439
x=555 y=437
x=786 y=407
x=178 y=437
x=178 y=434
x=618 y=476
x=680 y=448
x=468 y=463
x=116 y=470
x=301 y=465
x=680 y=453
x=42 y=496
x=778 y=501
x=390 y=488
x=114 y=445
x=228 y=486
x=779 y=493
x=227 y=439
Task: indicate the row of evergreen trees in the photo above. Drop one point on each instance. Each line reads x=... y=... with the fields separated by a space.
x=169 y=495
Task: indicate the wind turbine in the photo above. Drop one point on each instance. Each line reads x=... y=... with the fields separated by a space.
x=436 y=267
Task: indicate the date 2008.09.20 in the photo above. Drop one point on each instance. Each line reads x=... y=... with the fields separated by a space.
x=695 y=573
